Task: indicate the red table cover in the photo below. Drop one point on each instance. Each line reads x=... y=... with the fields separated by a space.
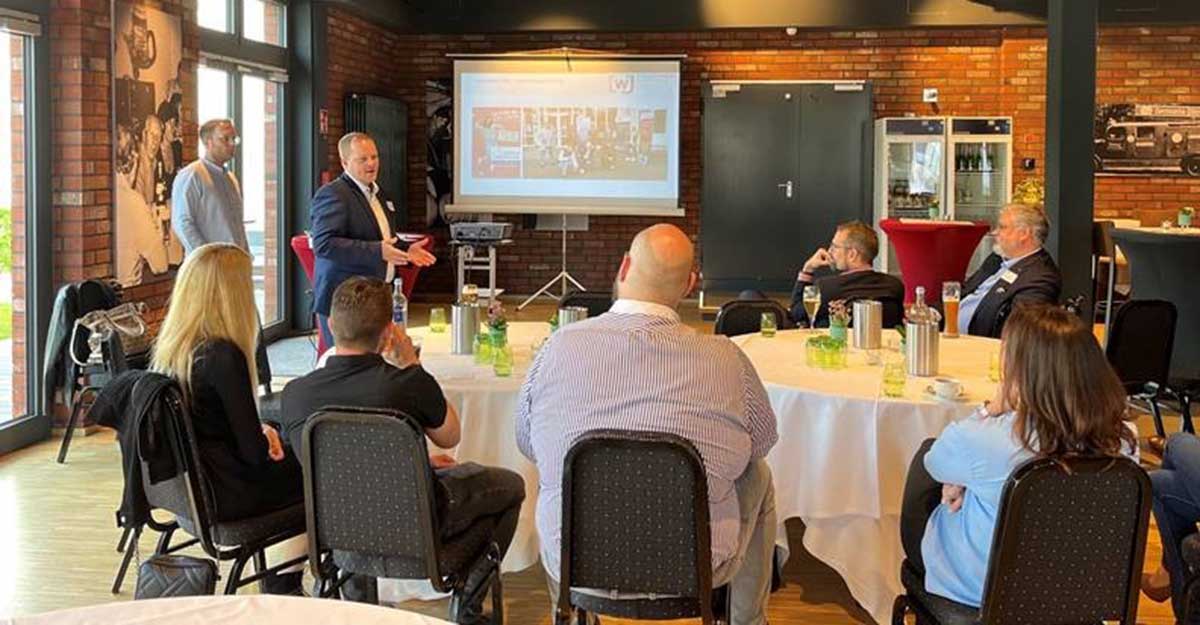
x=932 y=252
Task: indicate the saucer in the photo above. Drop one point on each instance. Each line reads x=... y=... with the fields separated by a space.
x=962 y=394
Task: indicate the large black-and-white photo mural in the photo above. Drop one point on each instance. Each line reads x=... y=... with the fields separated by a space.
x=1142 y=139
x=149 y=142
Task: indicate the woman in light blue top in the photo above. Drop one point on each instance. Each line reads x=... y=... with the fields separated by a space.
x=1058 y=397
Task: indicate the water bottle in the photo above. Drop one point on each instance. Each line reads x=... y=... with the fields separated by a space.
x=399 y=304
x=921 y=337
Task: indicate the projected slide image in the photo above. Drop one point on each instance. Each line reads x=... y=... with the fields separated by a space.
x=603 y=143
x=496 y=149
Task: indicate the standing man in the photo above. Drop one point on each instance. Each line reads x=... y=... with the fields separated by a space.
x=1019 y=269
x=353 y=228
x=206 y=199
x=850 y=254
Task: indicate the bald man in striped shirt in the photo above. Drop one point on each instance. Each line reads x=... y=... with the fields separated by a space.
x=637 y=367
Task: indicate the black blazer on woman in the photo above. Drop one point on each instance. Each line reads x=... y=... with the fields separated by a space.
x=233 y=450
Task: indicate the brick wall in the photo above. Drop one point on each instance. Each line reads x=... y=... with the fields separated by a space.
x=82 y=145
x=984 y=71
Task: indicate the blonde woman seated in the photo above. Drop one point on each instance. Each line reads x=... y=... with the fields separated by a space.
x=207 y=343
x=1058 y=396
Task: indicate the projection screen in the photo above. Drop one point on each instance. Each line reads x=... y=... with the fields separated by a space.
x=566 y=135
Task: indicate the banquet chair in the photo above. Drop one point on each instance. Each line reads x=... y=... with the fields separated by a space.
x=1068 y=548
x=189 y=496
x=1139 y=350
x=1190 y=549
x=368 y=494
x=596 y=302
x=745 y=317
x=635 y=520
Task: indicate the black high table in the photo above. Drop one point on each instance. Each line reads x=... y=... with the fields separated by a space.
x=1165 y=264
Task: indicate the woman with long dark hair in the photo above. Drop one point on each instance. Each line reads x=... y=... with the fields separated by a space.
x=1058 y=397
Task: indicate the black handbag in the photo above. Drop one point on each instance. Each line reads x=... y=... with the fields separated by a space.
x=175 y=576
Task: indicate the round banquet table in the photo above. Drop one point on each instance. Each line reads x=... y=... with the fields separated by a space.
x=844 y=450
x=839 y=465
x=228 y=610
x=932 y=252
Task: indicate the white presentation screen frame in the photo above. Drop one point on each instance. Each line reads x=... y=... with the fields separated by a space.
x=567 y=135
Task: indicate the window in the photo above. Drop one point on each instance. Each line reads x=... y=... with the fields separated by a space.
x=14 y=116
x=243 y=80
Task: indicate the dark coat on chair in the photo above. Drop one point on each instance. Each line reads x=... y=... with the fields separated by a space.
x=1037 y=280
x=852 y=286
x=72 y=302
x=345 y=237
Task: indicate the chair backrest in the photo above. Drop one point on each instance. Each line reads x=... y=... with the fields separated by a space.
x=745 y=316
x=1069 y=542
x=1102 y=241
x=368 y=492
x=635 y=517
x=304 y=253
x=1140 y=341
x=596 y=302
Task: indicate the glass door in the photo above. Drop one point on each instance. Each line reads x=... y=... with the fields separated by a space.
x=914 y=178
x=981 y=175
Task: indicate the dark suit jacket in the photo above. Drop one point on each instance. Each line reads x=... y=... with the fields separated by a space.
x=1037 y=280
x=887 y=289
x=345 y=238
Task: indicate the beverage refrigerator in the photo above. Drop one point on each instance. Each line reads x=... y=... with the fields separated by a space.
x=910 y=174
x=978 y=173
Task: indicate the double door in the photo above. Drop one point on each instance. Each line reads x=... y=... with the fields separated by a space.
x=784 y=163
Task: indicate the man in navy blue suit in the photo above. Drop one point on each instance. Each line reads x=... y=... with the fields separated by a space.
x=353 y=227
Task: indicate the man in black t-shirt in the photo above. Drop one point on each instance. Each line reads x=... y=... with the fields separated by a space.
x=374 y=365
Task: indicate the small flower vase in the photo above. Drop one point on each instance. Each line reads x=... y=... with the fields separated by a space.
x=837 y=331
x=1184 y=220
x=499 y=335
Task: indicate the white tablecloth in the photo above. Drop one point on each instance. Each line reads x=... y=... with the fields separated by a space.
x=844 y=451
x=840 y=463
x=235 y=610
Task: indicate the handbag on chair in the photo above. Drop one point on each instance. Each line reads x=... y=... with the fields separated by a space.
x=175 y=576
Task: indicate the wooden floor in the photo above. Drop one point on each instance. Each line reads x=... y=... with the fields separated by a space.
x=58 y=538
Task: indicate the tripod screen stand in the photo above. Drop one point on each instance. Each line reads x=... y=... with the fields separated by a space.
x=563 y=275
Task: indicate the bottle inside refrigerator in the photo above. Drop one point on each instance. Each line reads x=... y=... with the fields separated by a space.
x=980 y=176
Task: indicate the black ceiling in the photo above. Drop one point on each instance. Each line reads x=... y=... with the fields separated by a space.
x=485 y=16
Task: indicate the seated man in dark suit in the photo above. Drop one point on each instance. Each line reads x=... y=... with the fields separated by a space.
x=1018 y=270
x=374 y=365
x=851 y=253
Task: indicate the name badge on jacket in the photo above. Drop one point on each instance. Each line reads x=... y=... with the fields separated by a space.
x=1009 y=276
x=391 y=207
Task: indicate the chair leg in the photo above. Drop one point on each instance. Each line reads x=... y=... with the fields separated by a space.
x=1156 y=412
x=260 y=565
x=76 y=409
x=235 y=575
x=1108 y=306
x=124 y=537
x=131 y=544
x=1185 y=411
x=164 y=540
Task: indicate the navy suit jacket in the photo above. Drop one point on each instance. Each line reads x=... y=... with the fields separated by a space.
x=1037 y=280
x=345 y=238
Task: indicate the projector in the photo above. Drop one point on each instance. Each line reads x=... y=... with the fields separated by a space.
x=481 y=231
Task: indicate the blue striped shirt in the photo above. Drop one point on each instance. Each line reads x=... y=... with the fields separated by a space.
x=638 y=368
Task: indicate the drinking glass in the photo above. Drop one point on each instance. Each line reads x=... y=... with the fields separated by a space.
x=812 y=301
x=482 y=348
x=502 y=360
x=767 y=324
x=951 y=291
x=894 y=377
x=437 y=320
x=994 y=366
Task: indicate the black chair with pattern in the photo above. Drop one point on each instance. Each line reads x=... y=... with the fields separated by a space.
x=635 y=520
x=189 y=496
x=596 y=302
x=368 y=493
x=1139 y=349
x=745 y=316
x=1068 y=548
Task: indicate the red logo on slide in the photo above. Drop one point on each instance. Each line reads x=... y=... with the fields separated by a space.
x=620 y=83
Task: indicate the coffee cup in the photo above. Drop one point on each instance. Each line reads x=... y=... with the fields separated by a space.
x=947 y=388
